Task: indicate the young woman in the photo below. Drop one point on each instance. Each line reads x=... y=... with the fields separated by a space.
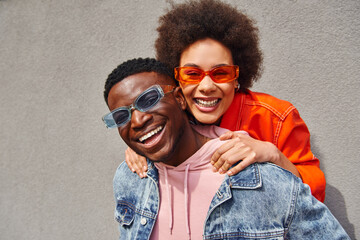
x=214 y=51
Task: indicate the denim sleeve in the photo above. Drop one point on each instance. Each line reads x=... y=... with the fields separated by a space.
x=136 y=202
x=117 y=187
x=311 y=219
x=123 y=183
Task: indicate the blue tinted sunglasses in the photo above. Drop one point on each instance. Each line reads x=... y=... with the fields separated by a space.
x=144 y=102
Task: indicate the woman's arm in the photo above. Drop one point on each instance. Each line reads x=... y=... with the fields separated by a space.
x=291 y=138
x=249 y=150
x=294 y=142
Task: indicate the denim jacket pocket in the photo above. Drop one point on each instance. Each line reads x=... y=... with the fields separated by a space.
x=124 y=213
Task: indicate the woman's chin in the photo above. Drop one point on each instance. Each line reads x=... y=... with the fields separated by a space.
x=207 y=118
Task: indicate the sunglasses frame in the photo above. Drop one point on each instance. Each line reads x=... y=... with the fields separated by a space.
x=178 y=77
x=109 y=120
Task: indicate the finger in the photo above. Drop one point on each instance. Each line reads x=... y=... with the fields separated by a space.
x=224 y=167
x=230 y=135
x=223 y=149
x=248 y=160
x=141 y=165
x=133 y=159
x=220 y=156
x=233 y=156
x=226 y=136
x=128 y=160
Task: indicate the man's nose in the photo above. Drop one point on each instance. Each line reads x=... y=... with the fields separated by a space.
x=139 y=119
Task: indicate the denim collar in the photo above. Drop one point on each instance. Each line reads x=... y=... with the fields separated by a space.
x=152 y=171
x=249 y=178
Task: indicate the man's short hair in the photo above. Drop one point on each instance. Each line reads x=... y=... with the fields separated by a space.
x=134 y=66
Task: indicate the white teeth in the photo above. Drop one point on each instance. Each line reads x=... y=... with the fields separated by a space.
x=150 y=134
x=204 y=103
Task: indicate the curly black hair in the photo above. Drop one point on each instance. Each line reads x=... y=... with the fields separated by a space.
x=195 y=20
x=133 y=66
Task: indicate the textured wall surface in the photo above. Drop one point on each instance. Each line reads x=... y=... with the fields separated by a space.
x=57 y=158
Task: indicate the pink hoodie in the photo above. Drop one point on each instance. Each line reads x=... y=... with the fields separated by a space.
x=186 y=191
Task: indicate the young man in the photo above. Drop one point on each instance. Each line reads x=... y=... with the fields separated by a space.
x=182 y=198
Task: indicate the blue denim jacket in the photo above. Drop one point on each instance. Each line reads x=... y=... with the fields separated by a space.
x=263 y=201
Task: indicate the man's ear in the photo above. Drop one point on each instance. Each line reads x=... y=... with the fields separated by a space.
x=180 y=97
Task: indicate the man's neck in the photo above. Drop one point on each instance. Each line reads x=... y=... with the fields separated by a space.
x=190 y=142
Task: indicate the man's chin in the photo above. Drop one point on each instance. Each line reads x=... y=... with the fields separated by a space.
x=164 y=158
x=157 y=159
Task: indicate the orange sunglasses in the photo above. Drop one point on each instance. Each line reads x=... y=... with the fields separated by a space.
x=194 y=75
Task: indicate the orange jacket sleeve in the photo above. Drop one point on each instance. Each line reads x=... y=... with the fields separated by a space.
x=277 y=121
x=293 y=140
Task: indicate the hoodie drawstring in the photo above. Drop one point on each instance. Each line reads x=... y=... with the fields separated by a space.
x=186 y=199
x=169 y=200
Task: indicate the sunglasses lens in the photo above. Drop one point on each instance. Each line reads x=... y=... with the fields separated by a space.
x=193 y=75
x=121 y=117
x=190 y=74
x=148 y=100
x=145 y=101
x=223 y=74
x=116 y=118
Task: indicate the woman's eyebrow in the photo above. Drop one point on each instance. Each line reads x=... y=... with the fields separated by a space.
x=191 y=65
x=197 y=66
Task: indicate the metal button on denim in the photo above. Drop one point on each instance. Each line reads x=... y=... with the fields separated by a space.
x=143 y=221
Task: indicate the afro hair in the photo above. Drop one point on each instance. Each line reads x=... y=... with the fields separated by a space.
x=195 y=20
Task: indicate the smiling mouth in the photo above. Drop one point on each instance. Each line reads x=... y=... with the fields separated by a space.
x=150 y=134
x=205 y=103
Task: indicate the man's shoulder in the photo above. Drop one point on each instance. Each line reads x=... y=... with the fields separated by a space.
x=264 y=174
x=124 y=178
x=276 y=173
x=123 y=170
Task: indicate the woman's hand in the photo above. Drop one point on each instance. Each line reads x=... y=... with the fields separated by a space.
x=135 y=162
x=249 y=150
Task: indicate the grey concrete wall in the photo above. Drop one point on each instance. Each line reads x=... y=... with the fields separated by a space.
x=57 y=158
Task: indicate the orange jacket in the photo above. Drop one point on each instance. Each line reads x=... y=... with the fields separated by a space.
x=270 y=119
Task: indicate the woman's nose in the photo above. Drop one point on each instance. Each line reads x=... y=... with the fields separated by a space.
x=207 y=85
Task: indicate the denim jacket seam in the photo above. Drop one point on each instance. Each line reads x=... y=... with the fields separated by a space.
x=265 y=105
x=138 y=210
x=294 y=196
x=280 y=123
x=245 y=234
x=277 y=132
x=281 y=115
x=156 y=183
x=225 y=197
